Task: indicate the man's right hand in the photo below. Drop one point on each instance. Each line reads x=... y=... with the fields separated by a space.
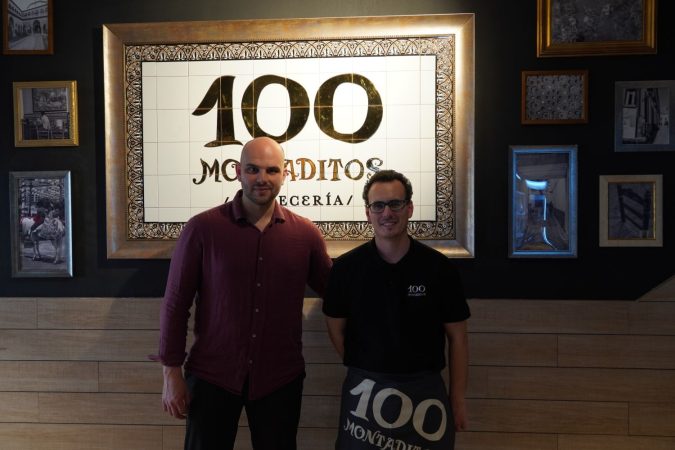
x=175 y=396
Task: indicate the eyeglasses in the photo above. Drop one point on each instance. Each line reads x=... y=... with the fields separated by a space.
x=394 y=205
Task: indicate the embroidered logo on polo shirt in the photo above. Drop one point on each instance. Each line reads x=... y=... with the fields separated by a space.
x=417 y=291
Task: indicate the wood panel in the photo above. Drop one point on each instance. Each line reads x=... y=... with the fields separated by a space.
x=54 y=376
x=636 y=352
x=72 y=369
x=533 y=416
x=19 y=407
x=132 y=377
x=505 y=441
x=653 y=419
x=548 y=316
x=581 y=384
x=79 y=437
x=77 y=345
x=498 y=349
x=18 y=313
x=98 y=313
x=578 y=442
x=652 y=318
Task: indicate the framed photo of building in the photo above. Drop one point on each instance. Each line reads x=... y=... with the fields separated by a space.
x=643 y=116
x=45 y=114
x=554 y=97
x=182 y=98
x=27 y=27
x=593 y=28
x=40 y=224
x=543 y=201
x=631 y=211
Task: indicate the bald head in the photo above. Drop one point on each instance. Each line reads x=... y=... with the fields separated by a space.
x=261 y=171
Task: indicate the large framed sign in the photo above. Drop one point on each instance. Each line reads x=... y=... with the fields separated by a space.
x=345 y=97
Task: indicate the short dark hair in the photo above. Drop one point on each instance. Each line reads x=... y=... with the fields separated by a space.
x=386 y=176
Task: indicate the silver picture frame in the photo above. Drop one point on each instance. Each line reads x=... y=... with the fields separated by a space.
x=40 y=224
x=543 y=201
x=643 y=116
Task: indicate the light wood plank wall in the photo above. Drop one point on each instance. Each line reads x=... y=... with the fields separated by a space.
x=544 y=375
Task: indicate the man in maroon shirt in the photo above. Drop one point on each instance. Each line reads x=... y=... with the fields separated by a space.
x=245 y=265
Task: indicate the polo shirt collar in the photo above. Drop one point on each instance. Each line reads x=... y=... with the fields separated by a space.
x=239 y=213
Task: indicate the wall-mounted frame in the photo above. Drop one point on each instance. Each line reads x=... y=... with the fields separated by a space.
x=631 y=211
x=40 y=224
x=643 y=116
x=182 y=97
x=554 y=97
x=45 y=114
x=592 y=28
x=27 y=27
x=543 y=201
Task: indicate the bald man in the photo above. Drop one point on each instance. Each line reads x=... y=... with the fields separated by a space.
x=244 y=265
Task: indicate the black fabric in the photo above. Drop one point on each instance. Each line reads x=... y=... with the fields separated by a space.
x=395 y=312
x=381 y=411
x=214 y=413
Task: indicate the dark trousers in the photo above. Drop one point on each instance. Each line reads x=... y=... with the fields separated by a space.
x=213 y=416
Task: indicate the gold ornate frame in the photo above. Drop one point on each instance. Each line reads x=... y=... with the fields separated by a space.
x=449 y=37
x=546 y=47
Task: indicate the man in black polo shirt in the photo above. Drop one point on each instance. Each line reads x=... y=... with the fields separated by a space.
x=390 y=304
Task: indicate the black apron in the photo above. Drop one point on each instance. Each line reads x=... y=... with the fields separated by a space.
x=395 y=412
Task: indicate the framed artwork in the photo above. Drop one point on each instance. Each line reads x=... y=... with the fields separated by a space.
x=554 y=97
x=40 y=224
x=631 y=212
x=182 y=98
x=45 y=114
x=543 y=201
x=27 y=27
x=643 y=113
x=593 y=28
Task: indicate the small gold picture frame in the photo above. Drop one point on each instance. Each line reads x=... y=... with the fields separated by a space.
x=554 y=97
x=27 y=27
x=592 y=28
x=631 y=213
x=45 y=114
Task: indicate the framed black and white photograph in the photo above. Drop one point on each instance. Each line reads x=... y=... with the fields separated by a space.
x=41 y=225
x=27 y=27
x=595 y=28
x=631 y=211
x=643 y=113
x=543 y=201
x=45 y=114
x=554 y=97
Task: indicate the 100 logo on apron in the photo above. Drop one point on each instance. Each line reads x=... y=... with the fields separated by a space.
x=398 y=412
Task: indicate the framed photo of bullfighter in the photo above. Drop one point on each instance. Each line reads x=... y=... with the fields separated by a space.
x=41 y=225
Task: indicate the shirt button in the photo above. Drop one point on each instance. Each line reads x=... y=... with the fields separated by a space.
x=250 y=361
x=257 y=284
x=257 y=310
x=253 y=335
x=260 y=258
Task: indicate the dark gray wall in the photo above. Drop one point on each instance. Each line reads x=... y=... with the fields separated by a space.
x=505 y=45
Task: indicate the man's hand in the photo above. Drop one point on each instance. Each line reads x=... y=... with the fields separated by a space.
x=175 y=396
x=459 y=413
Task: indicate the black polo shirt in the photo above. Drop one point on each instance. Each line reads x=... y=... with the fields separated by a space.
x=395 y=312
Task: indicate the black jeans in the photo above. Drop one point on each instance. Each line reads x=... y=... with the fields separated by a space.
x=213 y=416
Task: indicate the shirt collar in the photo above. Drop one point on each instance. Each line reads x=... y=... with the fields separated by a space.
x=240 y=215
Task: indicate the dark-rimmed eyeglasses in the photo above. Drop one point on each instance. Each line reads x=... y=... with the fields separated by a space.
x=394 y=205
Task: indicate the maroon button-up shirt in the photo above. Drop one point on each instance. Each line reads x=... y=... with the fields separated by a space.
x=249 y=288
